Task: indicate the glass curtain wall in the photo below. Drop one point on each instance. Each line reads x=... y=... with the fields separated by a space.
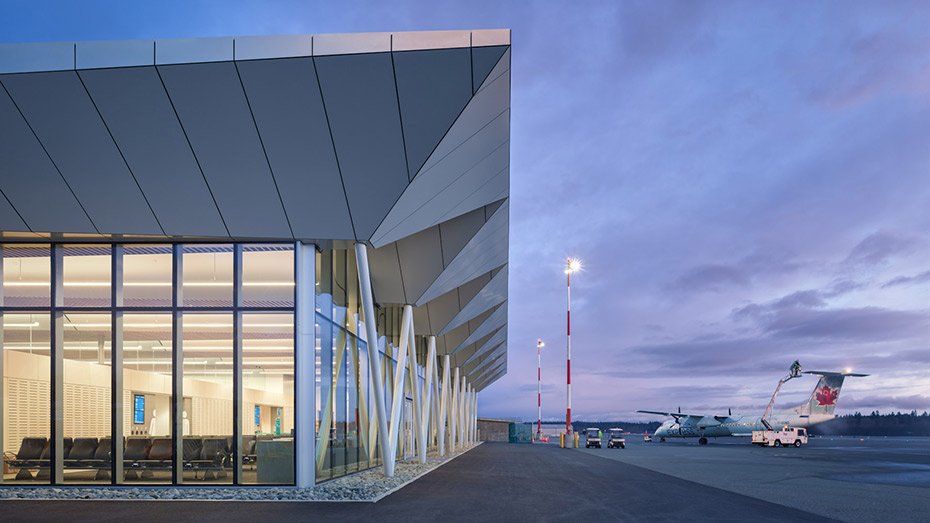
x=83 y=305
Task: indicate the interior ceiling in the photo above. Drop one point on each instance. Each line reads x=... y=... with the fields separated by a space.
x=276 y=139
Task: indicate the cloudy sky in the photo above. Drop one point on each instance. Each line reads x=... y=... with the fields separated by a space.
x=747 y=183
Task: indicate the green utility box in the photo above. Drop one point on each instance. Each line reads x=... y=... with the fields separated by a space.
x=521 y=433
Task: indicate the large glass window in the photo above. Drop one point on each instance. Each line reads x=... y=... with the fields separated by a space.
x=208 y=275
x=86 y=397
x=26 y=275
x=147 y=397
x=208 y=392
x=26 y=398
x=145 y=379
x=268 y=398
x=87 y=275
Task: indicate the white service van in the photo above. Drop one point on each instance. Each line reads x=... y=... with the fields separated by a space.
x=780 y=438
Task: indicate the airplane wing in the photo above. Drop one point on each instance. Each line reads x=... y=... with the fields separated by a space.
x=672 y=414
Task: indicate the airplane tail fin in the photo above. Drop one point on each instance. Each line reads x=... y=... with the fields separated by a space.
x=826 y=393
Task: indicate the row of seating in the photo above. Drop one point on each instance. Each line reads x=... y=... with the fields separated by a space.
x=209 y=454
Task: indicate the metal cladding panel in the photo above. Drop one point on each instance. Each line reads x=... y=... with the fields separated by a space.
x=456 y=233
x=215 y=115
x=114 y=53
x=386 y=279
x=339 y=44
x=468 y=291
x=442 y=309
x=35 y=57
x=138 y=113
x=485 y=383
x=285 y=99
x=496 y=320
x=68 y=126
x=30 y=181
x=433 y=87
x=420 y=260
x=275 y=46
x=487 y=250
x=421 y=321
x=477 y=375
x=490 y=356
x=410 y=40
x=463 y=168
x=488 y=346
x=9 y=220
x=483 y=61
x=493 y=294
x=484 y=37
x=455 y=337
x=193 y=50
x=361 y=102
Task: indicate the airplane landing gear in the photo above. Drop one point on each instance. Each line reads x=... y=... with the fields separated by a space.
x=702 y=441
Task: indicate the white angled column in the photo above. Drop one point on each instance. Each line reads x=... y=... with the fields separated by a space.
x=454 y=412
x=462 y=414
x=444 y=406
x=427 y=397
x=374 y=360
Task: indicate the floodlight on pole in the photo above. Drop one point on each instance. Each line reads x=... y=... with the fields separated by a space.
x=572 y=265
x=539 y=346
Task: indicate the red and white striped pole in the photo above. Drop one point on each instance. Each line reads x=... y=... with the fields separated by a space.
x=570 y=267
x=539 y=346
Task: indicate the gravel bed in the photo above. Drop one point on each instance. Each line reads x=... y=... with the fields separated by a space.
x=369 y=485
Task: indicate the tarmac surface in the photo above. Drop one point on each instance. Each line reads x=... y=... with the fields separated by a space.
x=493 y=482
x=848 y=478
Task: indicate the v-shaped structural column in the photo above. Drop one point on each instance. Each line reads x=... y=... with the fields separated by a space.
x=388 y=447
x=444 y=408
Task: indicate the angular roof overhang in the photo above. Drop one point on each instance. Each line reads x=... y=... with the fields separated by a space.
x=399 y=140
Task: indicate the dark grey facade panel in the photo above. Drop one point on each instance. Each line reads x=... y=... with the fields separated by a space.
x=456 y=233
x=30 y=181
x=9 y=220
x=386 y=279
x=420 y=261
x=483 y=61
x=433 y=87
x=138 y=113
x=64 y=118
x=285 y=99
x=213 y=110
x=361 y=101
x=442 y=309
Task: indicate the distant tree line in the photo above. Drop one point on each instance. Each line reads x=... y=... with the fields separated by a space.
x=876 y=424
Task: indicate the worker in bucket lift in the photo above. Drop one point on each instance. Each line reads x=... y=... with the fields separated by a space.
x=795 y=370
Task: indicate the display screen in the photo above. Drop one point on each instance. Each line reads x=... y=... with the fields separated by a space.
x=258 y=415
x=138 y=409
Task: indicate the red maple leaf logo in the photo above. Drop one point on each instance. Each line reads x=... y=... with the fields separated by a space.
x=827 y=396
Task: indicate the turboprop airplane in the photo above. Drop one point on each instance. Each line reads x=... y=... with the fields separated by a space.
x=819 y=408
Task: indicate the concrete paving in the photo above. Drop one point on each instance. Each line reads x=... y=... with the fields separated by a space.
x=494 y=482
x=850 y=479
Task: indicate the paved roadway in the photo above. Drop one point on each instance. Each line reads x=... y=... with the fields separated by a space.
x=494 y=482
x=850 y=479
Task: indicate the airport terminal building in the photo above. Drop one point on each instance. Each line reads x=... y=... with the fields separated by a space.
x=200 y=237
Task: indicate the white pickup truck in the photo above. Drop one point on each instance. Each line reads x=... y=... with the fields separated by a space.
x=780 y=438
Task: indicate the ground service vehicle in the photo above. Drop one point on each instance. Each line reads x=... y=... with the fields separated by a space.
x=592 y=437
x=615 y=439
x=780 y=438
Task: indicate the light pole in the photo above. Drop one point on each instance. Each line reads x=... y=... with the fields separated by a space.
x=570 y=267
x=539 y=346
